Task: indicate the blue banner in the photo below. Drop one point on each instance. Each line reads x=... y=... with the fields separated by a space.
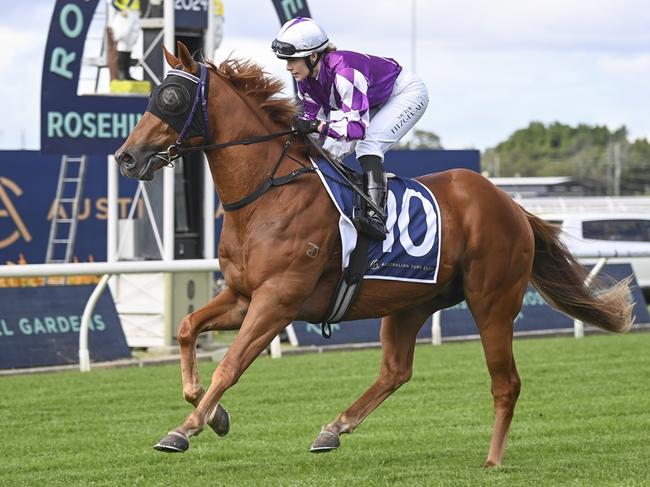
x=414 y=163
x=40 y=326
x=457 y=321
x=73 y=124
x=28 y=186
x=191 y=14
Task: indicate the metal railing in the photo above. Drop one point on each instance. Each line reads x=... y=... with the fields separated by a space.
x=108 y=269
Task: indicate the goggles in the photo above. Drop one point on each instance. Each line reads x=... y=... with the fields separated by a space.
x=283 y=48
x=286 y=49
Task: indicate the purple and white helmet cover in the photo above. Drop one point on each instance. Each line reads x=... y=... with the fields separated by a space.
x=302 y=36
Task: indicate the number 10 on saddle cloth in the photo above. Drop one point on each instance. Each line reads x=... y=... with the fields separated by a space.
x=411 y=250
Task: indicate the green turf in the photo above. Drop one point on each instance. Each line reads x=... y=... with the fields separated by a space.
x=583 y=419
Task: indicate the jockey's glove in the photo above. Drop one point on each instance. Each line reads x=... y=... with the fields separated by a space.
x=305 y=127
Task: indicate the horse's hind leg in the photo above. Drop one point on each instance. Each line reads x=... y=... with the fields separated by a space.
x=398 y=333
x=225 y=311
x=495 y=312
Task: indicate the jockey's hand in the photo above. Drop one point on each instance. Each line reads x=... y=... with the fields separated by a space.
x=305 y=127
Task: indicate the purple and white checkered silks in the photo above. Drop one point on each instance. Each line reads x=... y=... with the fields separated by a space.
x=348 y=86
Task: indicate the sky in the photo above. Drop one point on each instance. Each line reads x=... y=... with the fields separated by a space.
x=491 y=67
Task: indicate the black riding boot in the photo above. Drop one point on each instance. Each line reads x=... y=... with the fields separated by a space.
x=375 y=186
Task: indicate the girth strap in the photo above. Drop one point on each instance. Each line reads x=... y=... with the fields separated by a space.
x=348 y=287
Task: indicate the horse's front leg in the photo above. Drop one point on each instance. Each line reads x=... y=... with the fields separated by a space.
x=265 y=318
x=225 y=311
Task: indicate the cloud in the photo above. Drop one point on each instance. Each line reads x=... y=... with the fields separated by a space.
x=20 y=83
x=491 y=67
x=22 y=45
x=476 y=24
x=21 y=59
x=638 y=64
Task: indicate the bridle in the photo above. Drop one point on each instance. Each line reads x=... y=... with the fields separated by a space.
x=177 y=150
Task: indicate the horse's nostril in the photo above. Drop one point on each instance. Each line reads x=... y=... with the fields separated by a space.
x=125 y=158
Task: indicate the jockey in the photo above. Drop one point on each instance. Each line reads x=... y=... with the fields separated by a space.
x=354 y=101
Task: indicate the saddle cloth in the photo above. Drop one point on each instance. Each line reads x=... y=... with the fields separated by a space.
x=411 y=251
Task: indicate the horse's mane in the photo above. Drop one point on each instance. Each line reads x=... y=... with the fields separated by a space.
x=252 y=80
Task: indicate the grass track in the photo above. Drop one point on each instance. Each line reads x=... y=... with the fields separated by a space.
x=583 y=419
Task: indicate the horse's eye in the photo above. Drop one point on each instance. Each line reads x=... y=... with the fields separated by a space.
x=173 y=99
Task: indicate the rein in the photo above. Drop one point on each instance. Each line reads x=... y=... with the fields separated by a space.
x=173 y=152
x=176 y=150
x=271 y=181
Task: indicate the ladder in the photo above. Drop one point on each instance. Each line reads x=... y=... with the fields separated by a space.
x=63 y=229
x=95 y=56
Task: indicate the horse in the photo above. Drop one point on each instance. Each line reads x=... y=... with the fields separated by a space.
x=280 y=252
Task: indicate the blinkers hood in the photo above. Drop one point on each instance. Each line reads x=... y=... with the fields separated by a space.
x=178 y=100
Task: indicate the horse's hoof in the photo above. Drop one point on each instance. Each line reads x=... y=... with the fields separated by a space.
x=220 y=421
x=324 y=442
x=174 y=442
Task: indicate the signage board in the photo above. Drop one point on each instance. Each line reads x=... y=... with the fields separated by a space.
x=28 y=181
x=191 y=14
x=70 y=123
x=39 y=326
x=413 y=163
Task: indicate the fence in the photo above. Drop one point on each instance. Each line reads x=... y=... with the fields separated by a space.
x=108 y=269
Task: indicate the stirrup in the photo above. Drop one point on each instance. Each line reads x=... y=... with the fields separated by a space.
x=370 y=227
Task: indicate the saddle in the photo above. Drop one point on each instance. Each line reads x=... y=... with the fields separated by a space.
x=411 y=250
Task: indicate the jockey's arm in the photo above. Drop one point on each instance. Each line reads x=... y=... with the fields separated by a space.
x=351 y=120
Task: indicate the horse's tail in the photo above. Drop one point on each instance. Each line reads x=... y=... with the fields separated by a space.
x=560 y=279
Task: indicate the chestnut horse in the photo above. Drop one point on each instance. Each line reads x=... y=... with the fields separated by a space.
x=491 y=249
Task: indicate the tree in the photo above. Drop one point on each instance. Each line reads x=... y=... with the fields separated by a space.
x=588 y=152
x=419 y=140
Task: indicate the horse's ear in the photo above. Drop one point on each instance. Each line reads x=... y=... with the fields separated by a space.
x=170 y=58
x=185 y=57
